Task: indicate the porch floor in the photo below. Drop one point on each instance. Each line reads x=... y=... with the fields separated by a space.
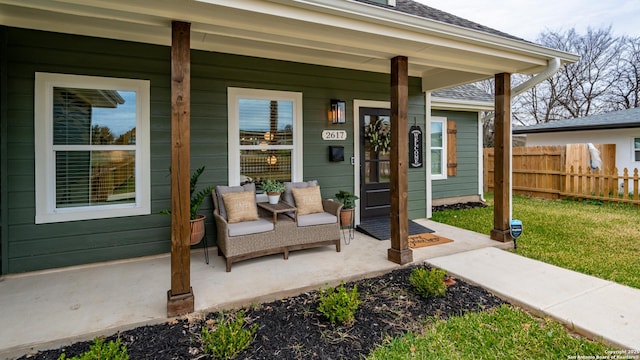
x=53 y=308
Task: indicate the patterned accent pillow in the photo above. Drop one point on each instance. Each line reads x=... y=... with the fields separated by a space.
x=241 y=206
x=308 y=200
x=221 y=190
x=288 y=186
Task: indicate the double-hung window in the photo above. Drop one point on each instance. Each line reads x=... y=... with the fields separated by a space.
x=265 y=135
x=438 y=148
x=91 y=147
x=636 y=149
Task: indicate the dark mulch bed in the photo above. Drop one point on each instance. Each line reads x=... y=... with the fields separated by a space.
x=292 y=328
x=459 y=206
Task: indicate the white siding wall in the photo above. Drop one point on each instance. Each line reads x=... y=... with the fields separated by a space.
x=623 y=138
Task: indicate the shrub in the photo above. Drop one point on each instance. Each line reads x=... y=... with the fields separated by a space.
x=113 y=350
x=428 y=283
x=227 y=338
x=339 y=305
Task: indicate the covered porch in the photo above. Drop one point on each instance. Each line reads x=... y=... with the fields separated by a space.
x=405 y=42
x=58 y=307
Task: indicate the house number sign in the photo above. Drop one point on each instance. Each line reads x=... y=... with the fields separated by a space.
x=334 y=135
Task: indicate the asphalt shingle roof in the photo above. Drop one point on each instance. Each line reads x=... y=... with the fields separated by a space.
x=464 y=92
x=414 y=8
x=629 y=118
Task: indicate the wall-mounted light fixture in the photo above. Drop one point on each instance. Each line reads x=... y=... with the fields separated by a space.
x=337 y=112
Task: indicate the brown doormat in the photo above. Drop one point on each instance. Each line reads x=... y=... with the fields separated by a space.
x=422 y=240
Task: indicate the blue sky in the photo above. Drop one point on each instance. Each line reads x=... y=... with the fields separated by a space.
x=120 y=119
x=527 y=18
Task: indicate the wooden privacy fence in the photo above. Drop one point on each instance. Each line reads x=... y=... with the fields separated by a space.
x=554 y=172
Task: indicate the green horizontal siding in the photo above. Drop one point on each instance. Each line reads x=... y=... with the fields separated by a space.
x=34 y=247
x=28 y=247
x=466 y=180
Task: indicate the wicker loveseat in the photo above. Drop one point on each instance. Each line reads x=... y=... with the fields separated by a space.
x=253 y=238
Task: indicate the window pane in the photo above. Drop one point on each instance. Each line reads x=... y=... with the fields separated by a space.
x=93 y=117
x=87 y=178
x=436 y=162
x=266 y=122
x=258 y=165
x=636 y=142
x=637 y=155
x=436 y=134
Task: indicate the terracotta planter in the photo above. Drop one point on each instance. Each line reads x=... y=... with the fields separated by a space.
x=346 y=217
x=197 y=229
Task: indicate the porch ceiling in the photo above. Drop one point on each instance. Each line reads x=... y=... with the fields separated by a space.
x=340 y=33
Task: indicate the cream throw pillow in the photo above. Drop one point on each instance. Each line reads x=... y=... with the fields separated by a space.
x=241 y=206
x=308 y=200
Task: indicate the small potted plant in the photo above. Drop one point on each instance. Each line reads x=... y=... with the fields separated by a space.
x=273 y=188
x=348 y=201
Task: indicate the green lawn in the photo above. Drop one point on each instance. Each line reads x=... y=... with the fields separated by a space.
x=502 y=333
x=602 y=240
x=597 y=239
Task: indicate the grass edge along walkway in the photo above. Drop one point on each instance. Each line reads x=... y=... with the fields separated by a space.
x=505 y=332
x=592 y=238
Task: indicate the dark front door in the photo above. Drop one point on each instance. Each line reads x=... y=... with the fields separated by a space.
x=374 y=165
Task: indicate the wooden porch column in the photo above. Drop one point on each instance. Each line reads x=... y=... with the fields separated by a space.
x=502 y=136
x=180 y=298
x=399 y=251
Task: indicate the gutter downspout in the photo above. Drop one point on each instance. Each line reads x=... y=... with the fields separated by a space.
x=553 y=66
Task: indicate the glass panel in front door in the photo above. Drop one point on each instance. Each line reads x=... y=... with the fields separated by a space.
x=376 y=163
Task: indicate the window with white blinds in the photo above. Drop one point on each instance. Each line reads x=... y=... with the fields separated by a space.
x=265 y=130
x=92 y=147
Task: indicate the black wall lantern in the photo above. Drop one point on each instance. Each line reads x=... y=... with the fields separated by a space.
x=337 y=112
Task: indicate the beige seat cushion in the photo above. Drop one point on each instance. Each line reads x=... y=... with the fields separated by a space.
x=250 y=227
x=317 y=219
x=308 y=200
x=241 y=206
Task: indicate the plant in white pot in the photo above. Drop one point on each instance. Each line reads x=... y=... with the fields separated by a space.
x=348 y=201
x=274 y=189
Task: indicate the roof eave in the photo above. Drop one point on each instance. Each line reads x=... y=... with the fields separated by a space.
x=441 y=103
x=578 y=128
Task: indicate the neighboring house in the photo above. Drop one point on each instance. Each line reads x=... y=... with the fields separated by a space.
x=621 y=128
x=86 y=109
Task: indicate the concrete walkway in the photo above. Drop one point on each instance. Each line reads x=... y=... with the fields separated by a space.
x=54 y=308
x=593 y=307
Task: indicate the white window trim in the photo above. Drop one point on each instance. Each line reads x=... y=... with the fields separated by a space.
x=634 y=150
x=443 y=153
x=233 y=97
x=46 y=211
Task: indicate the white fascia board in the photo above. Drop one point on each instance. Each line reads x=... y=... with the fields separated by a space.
x=380 y=15
x=462 y=105
x=338 y=12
